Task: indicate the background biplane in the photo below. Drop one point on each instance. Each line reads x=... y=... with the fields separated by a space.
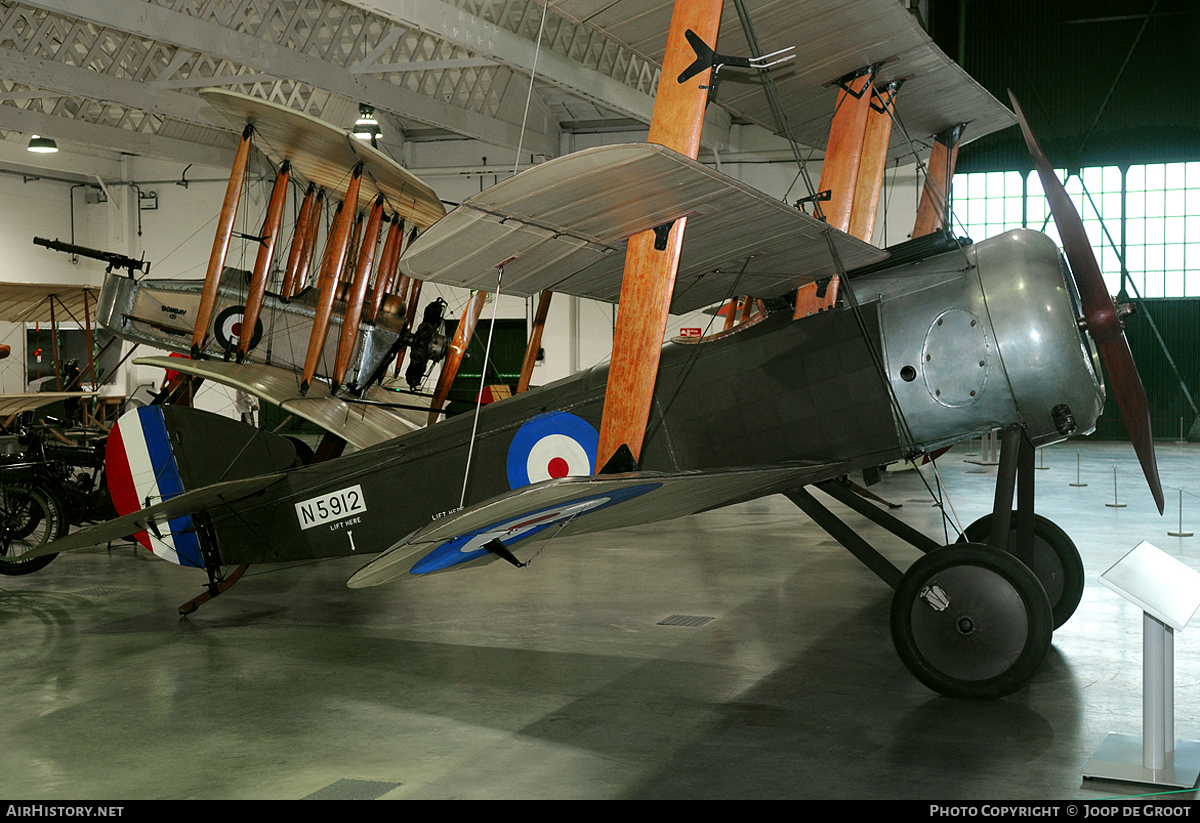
x=879 y=356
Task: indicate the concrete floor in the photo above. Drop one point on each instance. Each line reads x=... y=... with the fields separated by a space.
x=559 y=681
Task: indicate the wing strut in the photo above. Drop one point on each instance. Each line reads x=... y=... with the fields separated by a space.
x=649 y=277
x=358 y=293
x=262 y=263
x=296 y=254
x=839 y=176
x=933 y=207
x=410 y=315
x=458 y=347
x=216 y=260
x=535 y=340
x=873 y=161
x=335 y=255
x=389 y=259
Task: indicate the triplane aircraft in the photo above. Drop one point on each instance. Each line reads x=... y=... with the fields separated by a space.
x=858 y=357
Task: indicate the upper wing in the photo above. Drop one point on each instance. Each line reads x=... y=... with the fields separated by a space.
x=360 y=425
x=831 y=40
x=576 y=505
x=324 y=154
x=563 y=225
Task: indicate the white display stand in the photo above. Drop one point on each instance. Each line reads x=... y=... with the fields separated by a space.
x=1168 y=593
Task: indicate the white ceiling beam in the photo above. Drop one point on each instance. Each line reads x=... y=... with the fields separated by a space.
x=489 y=40
x=180 y=30
x=71 y=81
x=130 y=142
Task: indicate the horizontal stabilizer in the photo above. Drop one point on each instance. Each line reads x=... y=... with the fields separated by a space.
x=574 y=505
x=360 y=425
x=160 y=514
x=20 y=403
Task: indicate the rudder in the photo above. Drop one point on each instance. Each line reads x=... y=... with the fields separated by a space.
x=156 y=453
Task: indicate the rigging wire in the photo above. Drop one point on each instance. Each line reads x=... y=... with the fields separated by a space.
x=694 y=355
x=772 y=93
x=529 y=94
x=487 y=354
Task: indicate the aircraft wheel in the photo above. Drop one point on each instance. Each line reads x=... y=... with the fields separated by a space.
x=30 y=517
x=971 y=621
x=1056 y=561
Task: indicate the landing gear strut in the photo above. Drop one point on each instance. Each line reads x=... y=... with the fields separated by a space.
x=973 y=619
x=1056 y=561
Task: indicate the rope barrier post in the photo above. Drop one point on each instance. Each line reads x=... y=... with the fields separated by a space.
x=1077 y=484
x=1115 y=504
x=1181 y=532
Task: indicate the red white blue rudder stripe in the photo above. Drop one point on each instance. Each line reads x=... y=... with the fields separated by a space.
x=141 y=469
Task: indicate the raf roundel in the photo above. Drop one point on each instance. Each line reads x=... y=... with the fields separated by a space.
x=228 y=329
x=551 y=445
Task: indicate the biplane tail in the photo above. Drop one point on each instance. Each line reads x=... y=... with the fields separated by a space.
x=159 y=453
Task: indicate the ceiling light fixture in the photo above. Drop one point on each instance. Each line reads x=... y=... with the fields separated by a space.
x=366 y=127
x=42 y=145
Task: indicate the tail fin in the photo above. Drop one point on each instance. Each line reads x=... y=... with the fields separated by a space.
x=156 y=453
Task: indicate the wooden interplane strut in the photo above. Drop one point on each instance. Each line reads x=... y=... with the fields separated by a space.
x=458 y=348
x=335 y=255
x=872 y=162
x=296 y=253
x=410 y=316
x=358 y=293
x=389 y=260
x=262 y=263
x=310 y=242
x=651 y=261
x=934 y=206
x=839 y=176
x=216 y=260
x=535 y=340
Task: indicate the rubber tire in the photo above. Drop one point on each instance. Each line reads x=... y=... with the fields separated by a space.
x=1056 y=561
x=992 y=638
x=45 y=508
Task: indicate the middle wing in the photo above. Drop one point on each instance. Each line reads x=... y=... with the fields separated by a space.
x=563 y=225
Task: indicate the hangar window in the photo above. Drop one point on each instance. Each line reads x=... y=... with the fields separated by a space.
x=989 y=203
x=1162 y=228
x=1148 y=214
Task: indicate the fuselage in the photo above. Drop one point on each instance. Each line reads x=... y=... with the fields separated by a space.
x=933 y=353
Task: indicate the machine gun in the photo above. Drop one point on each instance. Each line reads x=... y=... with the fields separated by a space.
x=111 y=258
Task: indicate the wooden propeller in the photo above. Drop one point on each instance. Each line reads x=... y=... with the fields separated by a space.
x=1098 y=311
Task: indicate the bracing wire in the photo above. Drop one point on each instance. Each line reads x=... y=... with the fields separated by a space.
x=529 y=94
x=487 y=356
